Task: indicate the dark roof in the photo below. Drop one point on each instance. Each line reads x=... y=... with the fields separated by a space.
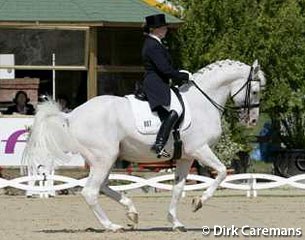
x=97 y=11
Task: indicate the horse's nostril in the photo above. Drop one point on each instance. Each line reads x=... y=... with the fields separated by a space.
x=253 y=121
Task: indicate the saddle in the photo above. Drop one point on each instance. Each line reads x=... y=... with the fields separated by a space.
x=149 y=122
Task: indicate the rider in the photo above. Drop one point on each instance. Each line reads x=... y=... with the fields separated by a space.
x=158 y=72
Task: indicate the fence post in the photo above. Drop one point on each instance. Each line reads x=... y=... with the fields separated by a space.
x=45 y=182
x=252 y=181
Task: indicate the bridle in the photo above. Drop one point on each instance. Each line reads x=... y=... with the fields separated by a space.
x=247 y=101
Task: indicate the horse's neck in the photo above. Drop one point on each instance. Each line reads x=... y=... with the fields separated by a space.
x=218 y=92
x=216 y=83
x=200 y=103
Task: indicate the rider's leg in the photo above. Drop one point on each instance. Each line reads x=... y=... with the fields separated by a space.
x=163 y=134
x=175 y=111
x=174 y=104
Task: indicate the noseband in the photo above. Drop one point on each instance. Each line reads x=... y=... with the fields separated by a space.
x=247 y=105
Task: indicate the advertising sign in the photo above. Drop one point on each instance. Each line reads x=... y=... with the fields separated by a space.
x=13 y=135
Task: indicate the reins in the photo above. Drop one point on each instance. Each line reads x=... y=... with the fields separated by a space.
x=215 y=104
x=247 y=104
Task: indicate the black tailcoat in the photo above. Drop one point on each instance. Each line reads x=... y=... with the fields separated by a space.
x=158 y=71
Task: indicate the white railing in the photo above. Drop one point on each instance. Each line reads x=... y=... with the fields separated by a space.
x=246 y=182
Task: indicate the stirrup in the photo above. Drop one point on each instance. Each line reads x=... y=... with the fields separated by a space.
x=163 y=153
x=160 y=151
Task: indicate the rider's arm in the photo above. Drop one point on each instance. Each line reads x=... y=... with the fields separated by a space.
x=159 y=59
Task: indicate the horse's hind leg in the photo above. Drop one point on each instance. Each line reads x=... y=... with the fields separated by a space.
x=98 y=174
x=132 y=213
x=182 y=170
x=206 y=157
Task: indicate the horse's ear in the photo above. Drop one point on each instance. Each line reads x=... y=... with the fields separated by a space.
x=256 y=67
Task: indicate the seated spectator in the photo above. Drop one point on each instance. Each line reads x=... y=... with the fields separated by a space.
x=64 y=103
x=21 y=105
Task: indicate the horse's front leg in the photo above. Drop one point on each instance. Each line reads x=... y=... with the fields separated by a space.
x=182 y=170
x=205 y=156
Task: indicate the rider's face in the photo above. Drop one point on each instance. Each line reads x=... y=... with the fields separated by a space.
x=160 y=31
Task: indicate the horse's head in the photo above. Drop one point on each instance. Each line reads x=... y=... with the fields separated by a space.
x=243 y=82
x=246 y=94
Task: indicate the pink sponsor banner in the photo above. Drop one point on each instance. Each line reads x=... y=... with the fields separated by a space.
x=13 y=135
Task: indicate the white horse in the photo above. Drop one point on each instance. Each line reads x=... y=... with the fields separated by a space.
x=103 y=130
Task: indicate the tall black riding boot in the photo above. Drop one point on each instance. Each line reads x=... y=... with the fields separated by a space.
x=163 y=134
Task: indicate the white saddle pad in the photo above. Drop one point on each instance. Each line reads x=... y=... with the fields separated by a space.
x=148 y=122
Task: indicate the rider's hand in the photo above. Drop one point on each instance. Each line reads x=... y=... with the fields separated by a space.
x=187 y=72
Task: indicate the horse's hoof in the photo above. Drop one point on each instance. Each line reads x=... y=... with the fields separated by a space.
x=134 y=217
x=115 y=228
x=119 y=230
x=180 y=229
x=132 y=226
x=196 y=204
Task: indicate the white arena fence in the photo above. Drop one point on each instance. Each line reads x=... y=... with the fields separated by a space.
x=44 y=186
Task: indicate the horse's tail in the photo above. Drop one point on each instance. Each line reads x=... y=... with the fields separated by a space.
x=49 y=139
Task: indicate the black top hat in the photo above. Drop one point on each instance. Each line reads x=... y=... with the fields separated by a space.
x=155 y=21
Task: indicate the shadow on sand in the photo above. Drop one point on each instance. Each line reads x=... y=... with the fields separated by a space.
x=94 y=230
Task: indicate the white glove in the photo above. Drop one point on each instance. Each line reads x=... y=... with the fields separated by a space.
x=187 y=72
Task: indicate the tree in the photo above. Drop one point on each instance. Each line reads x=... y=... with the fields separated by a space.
x=272 y=31
x=216 y=30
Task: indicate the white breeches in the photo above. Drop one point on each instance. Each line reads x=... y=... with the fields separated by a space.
x=174 y=104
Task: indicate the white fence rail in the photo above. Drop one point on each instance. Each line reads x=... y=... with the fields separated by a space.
x=249 y=182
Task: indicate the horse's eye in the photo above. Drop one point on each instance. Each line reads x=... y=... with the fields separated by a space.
x=254 y=92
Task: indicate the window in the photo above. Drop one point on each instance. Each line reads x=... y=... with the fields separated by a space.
x=119 y=60
x=33 y=50
x=120 y=46
x=118 y=84
x=72 y=84
x=34 y=47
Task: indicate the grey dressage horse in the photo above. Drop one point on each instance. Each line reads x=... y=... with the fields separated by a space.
x=103 y=130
